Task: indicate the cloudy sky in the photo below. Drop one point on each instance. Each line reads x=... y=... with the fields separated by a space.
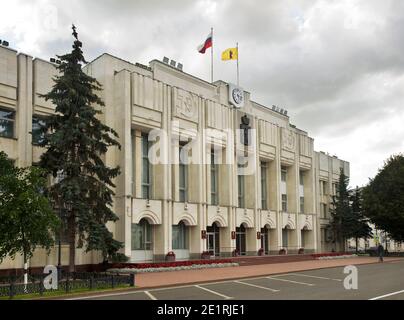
x=337 y=66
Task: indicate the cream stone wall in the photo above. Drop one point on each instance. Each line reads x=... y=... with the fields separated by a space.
x=173 y=107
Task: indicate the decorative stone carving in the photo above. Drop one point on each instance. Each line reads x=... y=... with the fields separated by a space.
x=288 y=140
x=185 y=105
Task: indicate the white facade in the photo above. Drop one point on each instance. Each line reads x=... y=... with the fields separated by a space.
x=186 y=208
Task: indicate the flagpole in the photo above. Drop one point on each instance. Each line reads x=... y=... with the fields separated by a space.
x=238 y=68
x=212 y=57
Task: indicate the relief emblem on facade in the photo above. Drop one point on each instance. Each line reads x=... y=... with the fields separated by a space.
x=288 y=140
x=185 y=105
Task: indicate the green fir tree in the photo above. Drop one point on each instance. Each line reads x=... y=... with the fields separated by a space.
x=341 y=213
x=76 y=141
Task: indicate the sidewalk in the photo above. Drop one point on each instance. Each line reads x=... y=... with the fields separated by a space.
x=177 y=278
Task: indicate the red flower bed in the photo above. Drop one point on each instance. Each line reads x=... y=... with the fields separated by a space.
x=168 y=264
x=330 y=254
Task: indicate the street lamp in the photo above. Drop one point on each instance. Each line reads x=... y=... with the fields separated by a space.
x=59 y=267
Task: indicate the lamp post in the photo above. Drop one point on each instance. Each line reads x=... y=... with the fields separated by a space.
x=59 y=267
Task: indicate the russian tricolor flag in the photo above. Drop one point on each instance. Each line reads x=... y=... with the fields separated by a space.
x=207 y=44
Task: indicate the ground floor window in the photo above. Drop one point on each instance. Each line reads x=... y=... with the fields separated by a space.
x=142 y=236
x=180 y=236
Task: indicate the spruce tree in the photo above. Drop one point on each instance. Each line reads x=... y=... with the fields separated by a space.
x=342 y=218
x=361 y=228
x=76 y=141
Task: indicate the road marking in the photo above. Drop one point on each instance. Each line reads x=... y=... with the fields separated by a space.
x=214 y=292
x=291 y=281
x=388 y=295
x=150 y=295
x=255 y=286
x=310 y=276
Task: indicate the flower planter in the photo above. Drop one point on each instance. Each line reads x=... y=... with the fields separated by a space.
x=170 y=257
x=301 y=251
x=172 y=268
x=235 y=253
x=206 y=255
x=261 y=252
x=282 y=252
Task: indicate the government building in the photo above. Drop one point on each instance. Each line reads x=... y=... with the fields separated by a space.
x=204 y=168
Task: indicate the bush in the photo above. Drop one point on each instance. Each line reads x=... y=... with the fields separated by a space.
x=118 y=258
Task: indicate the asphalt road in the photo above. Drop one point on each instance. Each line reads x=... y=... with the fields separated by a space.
x=383 y=281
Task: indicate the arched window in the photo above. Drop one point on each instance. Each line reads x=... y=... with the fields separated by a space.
x=180 y=236
x=142 y=236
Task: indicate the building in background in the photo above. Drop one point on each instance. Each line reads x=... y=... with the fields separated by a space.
x=188 y=207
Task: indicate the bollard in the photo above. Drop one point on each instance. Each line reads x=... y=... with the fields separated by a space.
x=67 y=283
x=41 y=286
x=12 y=291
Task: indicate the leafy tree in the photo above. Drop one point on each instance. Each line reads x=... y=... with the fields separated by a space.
x=75 y=141
x=383 y=198
x=341 y=212
x=360 y=227
x=27 y=218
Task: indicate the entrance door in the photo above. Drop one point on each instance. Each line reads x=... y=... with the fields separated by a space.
x=214 y=240
x=285 y=240
x=265 y=240
x=241 y=240
x=211 y=244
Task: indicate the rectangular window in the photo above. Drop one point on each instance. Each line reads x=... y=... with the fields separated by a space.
x=323 y=190
x=323 y=235
x=214 y=179
x=284 y=203
x=284 y=173
x=37 y=134
x=146 y=168
x=241 y=191
x=334 y=189
x=264 y=186
x=323 y=210
x=183 y=176
x=7 y=120
x=301 y=204
x=301 y=178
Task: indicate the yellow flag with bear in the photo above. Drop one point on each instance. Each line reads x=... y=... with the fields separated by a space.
x=230 y=54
